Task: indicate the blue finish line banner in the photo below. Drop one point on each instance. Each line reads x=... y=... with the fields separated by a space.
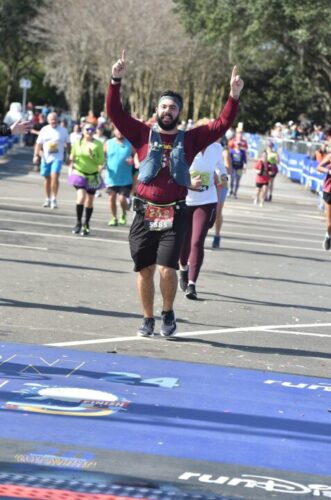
x=166 y=408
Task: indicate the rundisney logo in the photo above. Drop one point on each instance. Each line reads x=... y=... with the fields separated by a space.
x=270 y=484
x=313 y=387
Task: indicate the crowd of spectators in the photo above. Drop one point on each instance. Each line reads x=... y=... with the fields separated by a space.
x=302 y=130
x=316 y=137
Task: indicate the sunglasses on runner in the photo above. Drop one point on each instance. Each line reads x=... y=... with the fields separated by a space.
x=90 y=129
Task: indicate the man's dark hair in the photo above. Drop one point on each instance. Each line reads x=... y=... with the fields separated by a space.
x=177 y=97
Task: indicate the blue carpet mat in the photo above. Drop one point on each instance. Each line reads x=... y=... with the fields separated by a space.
x=167 y=408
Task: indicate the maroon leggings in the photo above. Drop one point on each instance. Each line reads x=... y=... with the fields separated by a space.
x=200 y=218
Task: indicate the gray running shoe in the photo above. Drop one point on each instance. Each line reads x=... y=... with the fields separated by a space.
x=147 y=328
x=191 y=292
x=183 y=280
x=77 y=228
x=327 y=243
x=216 y=242
x=168 y=325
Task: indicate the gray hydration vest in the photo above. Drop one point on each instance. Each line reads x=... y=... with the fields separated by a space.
x=152 y=164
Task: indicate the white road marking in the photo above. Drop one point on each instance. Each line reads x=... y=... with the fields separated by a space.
x=23 y=246
x=262 y=226
x=252 y=235
x=125 y=242
x=61 y=236
x=29 y=200
x=265 y=328
x=238 y=243
x=301 y=333
x=271 y=216
x=225 y=233
x=63 y=226
x=272 y=229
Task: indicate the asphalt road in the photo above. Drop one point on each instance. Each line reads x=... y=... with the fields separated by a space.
x=264 y=297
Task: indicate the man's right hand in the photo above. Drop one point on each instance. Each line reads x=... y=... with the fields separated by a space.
x=36 y=160
x=118 y=69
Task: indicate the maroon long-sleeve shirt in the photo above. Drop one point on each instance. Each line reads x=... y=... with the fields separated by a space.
x=163 y=189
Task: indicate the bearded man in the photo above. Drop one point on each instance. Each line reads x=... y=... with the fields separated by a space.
x=165 y=154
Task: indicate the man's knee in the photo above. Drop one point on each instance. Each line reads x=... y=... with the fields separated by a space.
x=167 y=272
x=147 y=272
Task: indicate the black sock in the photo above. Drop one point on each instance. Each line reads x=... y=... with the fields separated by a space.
x=88 y=214
x=79 y=212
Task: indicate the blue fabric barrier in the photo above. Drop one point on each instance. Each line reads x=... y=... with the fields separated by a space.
x=3 y=141
x=298 y=167
x=253 y=141
x=314 y=179
x=3 y=145
x=11 y=141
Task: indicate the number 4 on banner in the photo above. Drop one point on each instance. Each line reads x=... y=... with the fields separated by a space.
x=135 y=379
x=168 y=382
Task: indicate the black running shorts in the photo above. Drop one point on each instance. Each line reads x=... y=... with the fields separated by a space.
x=327 y=197
x=157 y=247
x=261 y=184
x=123 y=190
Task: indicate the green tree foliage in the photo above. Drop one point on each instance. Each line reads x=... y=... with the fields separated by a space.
x=18 y=50
x=282 y=47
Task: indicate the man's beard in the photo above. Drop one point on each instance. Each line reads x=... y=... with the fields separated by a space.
x=167 y=126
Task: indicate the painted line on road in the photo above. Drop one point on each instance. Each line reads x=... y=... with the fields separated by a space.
x=69 y=228
x=27 y=247
x=308 y=334
x=30 y=200
x=125 y=242
x=277 y=224
x=277 y=214
x=272 y=229
x=267 y=216
x=252 y=235
x=265 y=328
x=50 y=215
x=264 y=225
x=61 y=236
x=224 y=233
x=256 y=243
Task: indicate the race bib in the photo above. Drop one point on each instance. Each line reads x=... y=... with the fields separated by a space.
x=93 y=181
x=159 y=218
x=53 y=147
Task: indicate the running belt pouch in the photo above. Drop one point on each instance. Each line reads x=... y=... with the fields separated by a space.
x=138 y=205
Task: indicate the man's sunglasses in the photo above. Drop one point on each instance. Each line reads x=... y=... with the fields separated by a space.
x=90 y=129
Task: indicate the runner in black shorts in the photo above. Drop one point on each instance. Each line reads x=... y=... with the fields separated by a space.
x=165 y=154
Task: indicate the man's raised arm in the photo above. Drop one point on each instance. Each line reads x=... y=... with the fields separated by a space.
x=236 y=84
x=118 y=69
x=131 y=128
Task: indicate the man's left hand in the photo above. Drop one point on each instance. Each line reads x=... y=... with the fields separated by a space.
x=20 y=127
